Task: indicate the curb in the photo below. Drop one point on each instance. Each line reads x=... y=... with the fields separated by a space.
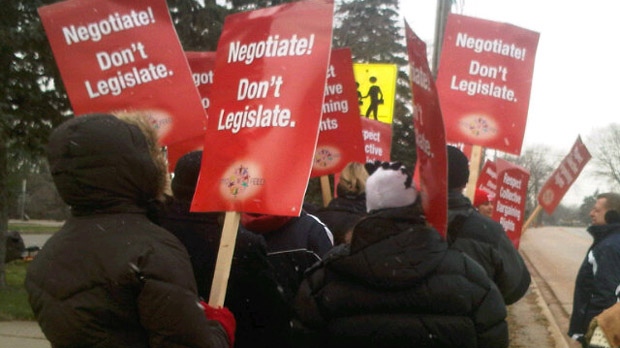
x=554 y=329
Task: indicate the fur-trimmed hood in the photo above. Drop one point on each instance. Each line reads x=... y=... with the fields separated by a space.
x=102 y=164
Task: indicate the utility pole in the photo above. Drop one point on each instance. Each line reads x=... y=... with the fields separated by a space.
x=22 y=201
x=443 y=9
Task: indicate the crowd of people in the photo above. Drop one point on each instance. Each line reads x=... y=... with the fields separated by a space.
x=133 y=265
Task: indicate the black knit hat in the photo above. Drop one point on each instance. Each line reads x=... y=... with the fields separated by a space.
x=458 y=168
x=186 y=175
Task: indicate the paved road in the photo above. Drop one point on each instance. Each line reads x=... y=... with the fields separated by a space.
x=555 y=254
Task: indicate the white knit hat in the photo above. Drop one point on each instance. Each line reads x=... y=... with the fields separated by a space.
x=389 y=186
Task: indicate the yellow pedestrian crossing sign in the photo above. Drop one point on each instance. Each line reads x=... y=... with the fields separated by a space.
x=376 y=88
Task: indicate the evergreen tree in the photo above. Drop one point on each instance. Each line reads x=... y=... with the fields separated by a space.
x=375 y=34
x=33 y=98
x=198 y=24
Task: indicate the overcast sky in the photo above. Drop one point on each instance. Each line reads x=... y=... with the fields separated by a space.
x=577 y=69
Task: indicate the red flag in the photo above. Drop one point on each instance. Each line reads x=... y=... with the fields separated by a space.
x=563 y=177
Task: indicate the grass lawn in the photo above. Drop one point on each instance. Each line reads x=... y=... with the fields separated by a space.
x=13 y=298
x=26 y=228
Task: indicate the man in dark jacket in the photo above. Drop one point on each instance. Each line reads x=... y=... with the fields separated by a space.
x=481 y=238
x=397 y=284
x=294 y=243
x=252 y=293
x=110 y=277
x=598 y=279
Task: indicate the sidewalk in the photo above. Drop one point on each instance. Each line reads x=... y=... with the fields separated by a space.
x=22 y=334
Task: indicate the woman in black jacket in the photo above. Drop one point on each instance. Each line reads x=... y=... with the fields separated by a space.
x=397 y=284
x=110 y=277
x=349 y=205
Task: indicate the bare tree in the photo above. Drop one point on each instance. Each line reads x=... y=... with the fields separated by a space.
x=604 y=145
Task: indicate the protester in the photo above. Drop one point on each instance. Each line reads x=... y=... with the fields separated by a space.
x=110 y=277
x=252 y=293
x=598 y=278
x=483 y=203
x=397 y=283
x=294 y=243
x=349 y=205
x=481 y=238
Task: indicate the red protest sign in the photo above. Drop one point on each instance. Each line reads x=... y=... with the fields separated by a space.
x=563 y=177
x=264 y=115
x=487 y=180
x=202 y=66
x=377 y=137
x=125 y=55
x=431 y=168
x=340 y=132
x=484 y=82
x=510 y=199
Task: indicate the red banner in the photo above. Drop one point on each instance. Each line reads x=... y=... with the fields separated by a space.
x=264 y=115
x=563 y=177
x=377 y=138
x=431 y=168
x=125 y=55
x=511 y=196
x=487 y=180
x=484 y=82
x=340 y=132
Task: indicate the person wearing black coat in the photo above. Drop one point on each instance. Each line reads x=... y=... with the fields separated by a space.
x=110 y=277
x=294 y=243
x=481 y=238
x=597 y=286
x=349 y=205
x=398 y=284
x=252 y=293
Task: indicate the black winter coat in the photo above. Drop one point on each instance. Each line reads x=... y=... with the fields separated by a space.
x=110 y=277
x=252 y=293
x=293 y=245
x=485 y=241
x=598 y=279
x=342 y=213
x=398 y=285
